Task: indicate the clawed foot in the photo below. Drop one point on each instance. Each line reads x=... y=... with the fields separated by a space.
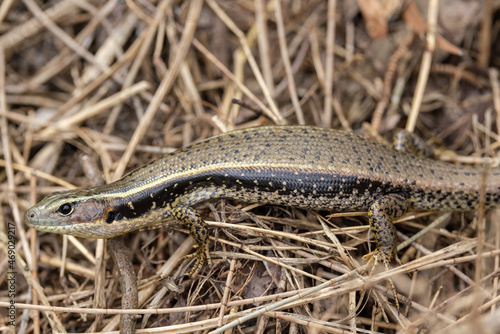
x=384 y=256
x=202 y=256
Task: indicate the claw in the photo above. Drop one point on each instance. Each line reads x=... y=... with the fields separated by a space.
x=384 y=256
x=202 y=256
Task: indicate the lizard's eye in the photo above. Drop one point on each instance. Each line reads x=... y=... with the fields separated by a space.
x=65 y=209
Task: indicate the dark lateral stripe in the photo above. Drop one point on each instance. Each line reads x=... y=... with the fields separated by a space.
x=279 y=180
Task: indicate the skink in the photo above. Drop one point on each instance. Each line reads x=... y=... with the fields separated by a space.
x=299 y=166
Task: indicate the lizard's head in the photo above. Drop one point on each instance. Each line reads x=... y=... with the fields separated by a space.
x=74 y=212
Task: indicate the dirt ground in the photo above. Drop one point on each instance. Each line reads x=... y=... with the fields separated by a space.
x=90 y=90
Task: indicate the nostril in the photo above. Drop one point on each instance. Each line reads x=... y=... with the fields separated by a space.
x=32 y=215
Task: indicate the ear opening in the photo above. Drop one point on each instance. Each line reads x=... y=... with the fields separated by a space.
x=110 y=218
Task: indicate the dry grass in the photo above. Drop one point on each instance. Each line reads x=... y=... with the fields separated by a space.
x=120 y=83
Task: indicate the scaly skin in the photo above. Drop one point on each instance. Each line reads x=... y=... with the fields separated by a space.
x=298 y=166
